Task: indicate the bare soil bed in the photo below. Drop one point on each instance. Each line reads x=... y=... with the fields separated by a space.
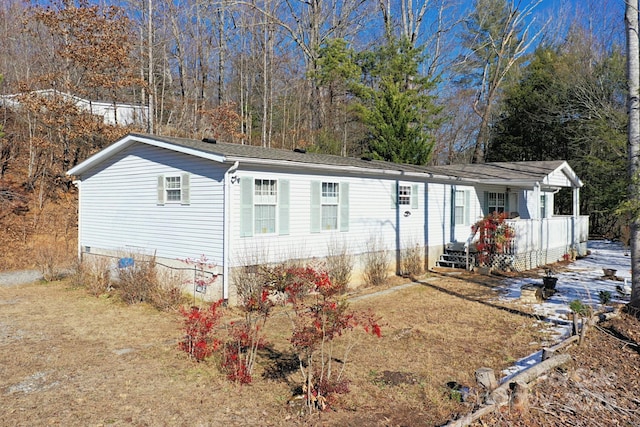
x=67 y=358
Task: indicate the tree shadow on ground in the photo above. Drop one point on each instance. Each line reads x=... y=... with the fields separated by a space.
x=488 y=303
x=280 y=364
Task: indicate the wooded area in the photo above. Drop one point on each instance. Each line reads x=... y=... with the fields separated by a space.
x=432 y=82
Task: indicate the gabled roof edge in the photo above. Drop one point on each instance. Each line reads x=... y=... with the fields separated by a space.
x=129 y=140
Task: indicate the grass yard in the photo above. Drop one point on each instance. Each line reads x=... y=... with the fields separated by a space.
x=67 y=358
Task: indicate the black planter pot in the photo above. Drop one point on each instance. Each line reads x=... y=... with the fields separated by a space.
x=549 y=282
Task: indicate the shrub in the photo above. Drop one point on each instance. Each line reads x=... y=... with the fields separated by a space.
x=137 y=282
x=167 y=295
x=51 y=260
x=339 y=264
x=94 y=275
x=376 y=269
x=495 y=237
x=605 y=297
x=412 y=264
x=320 y=317
x=198 y=341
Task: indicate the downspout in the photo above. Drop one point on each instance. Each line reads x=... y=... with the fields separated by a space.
x=77 y=183
x=226 y=257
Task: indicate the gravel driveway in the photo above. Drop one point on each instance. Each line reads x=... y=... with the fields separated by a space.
x=13 y=278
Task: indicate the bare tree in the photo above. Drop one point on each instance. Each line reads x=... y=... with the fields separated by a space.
x=498 y=36
x=633 y=102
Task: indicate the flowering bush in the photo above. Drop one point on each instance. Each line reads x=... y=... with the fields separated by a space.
x=495 y=236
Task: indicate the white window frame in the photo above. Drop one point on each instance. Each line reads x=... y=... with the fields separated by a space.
x=265 y=202
x=330 y=206
x=495 y=206
x=404 y=195
x=459 y=207
x=543 y=206
x=172 y=186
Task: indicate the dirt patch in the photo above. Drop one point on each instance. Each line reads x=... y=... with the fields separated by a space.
x=70 y=359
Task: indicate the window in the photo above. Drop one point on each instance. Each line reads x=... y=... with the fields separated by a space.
x=265 y=200
x=264 y=206
x=404 y=195
x=173 y=189
x=329 y=201
x=496 y=202
x=543 y=206
x=459 y=207
x=329 y=206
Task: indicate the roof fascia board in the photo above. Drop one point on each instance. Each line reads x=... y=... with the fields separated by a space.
x=339 y=168
x=130 y=140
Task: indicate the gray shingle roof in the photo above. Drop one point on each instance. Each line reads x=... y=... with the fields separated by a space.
x=499 y=172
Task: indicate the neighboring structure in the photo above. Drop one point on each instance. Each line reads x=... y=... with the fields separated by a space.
x=113 y=113
x=245 y=205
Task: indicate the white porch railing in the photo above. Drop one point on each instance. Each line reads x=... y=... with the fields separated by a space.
x=547 y=233
x=540 y=241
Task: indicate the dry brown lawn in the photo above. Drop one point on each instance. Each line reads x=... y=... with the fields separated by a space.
x=67 y=358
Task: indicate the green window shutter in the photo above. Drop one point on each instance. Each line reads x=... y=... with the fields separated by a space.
x=467 y=207
x=394 y=195
x=315 y=206
x=283 y=206
x=344 y=206
x=414 y=196
x=161 y=189
x=246 y=206
x=186 y=190
x=453 y=205
x=486 y=203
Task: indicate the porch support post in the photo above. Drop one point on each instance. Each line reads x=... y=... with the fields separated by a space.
x=575 y=219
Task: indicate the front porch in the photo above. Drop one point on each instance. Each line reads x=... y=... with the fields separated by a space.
x=536 y=242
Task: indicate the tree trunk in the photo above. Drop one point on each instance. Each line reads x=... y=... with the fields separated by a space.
x=633 y=73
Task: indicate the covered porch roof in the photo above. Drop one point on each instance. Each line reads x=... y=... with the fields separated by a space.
x=545 y=174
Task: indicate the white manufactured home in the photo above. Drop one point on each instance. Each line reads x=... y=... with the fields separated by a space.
x=242 y=205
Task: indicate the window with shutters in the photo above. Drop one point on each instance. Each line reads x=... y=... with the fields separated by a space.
x=173 y=189
x=265 y=201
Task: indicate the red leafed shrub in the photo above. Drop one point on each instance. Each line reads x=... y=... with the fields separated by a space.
x=199 y=341
x=495 y=236
x=320 y=316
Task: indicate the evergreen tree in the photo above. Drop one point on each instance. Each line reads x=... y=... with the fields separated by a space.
x=395 y=103
x=570 y=106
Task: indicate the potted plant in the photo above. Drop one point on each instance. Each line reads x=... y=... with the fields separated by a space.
x=549 y=280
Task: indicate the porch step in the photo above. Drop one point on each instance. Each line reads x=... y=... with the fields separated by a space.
x=455 y=256
x=452 y=261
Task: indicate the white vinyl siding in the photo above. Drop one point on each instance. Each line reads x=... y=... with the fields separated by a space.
x=139 y=219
